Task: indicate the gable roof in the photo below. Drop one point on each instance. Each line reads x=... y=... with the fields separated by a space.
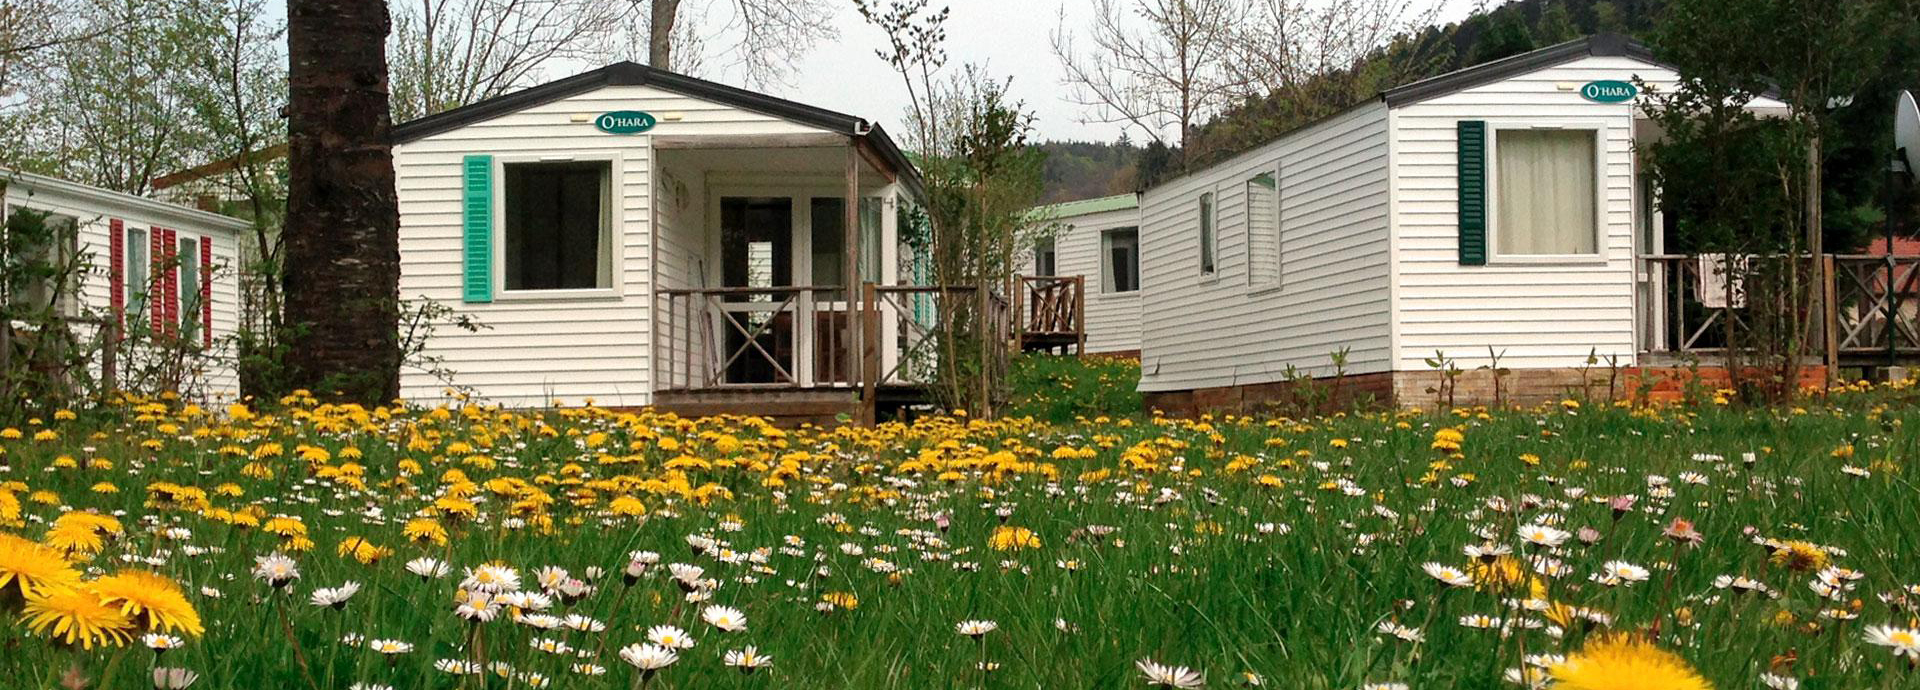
x=634 y=74
x=1081 y=207
x=28 y=185
x=1597 y=45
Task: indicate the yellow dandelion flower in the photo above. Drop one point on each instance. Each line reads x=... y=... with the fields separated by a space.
x=425 y=531
x=152 y=600
x=1008 y=537
x=75 y=615
x=28 y=569
x=1620 y=662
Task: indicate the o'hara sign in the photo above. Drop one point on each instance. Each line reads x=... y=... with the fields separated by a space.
x=1608 y=91
x=624 y=122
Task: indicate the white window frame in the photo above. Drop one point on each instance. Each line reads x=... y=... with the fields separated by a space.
x=138 y=293
x=1279 y=229
x=187 y=302
x=611 y=227
x=1106 y=261
x=1598 y=128
x=1207 y=225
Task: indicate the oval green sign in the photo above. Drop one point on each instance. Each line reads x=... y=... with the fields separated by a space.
x=624 y=122
x=1608 y=91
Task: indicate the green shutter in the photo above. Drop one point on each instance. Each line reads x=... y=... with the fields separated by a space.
x=477 y=229
x=1473 y=192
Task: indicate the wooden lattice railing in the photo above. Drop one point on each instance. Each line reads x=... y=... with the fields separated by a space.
x=1052 y=311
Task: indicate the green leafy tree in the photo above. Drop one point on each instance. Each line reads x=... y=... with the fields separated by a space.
x=981 y=176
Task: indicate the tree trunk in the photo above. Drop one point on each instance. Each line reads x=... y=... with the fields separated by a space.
x=660 y=34
x=342 y=241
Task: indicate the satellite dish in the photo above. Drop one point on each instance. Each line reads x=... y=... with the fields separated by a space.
x=1906 y=130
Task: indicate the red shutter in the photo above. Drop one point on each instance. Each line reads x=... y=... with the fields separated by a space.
x=206 y=291
x=156 y=265
x=117 y=270
x=171 y=289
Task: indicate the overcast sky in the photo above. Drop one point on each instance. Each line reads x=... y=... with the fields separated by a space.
x=1009 y=37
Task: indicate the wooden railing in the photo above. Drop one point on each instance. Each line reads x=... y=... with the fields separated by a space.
x=1052 y=311
x=746 y=337
x=777 y=337
x=1877 y=306
x=1698 y=304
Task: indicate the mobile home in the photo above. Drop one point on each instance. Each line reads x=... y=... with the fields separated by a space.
x=165 y=276
x=1497 y=210
x=630 y=236
x=1097 y=242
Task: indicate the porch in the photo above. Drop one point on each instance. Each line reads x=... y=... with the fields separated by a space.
x=1868 y=314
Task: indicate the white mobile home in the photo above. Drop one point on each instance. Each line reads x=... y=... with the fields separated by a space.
x=1497 y=209
x=628 y=234
x=1097 y=241
x=166 y=276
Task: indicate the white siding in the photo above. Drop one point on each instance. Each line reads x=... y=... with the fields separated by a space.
x=95 y=210
x=541 y=350
x=1113 y=318
x=1539 y=314
x=1222 y=331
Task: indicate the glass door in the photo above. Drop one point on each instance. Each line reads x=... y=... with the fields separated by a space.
x=835 y=303
x=757 y=306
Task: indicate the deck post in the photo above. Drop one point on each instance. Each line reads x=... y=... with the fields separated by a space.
x=850 y=278
x=1018 y=286
x=110 y=357
x=1830 y=318
x=870 y=362
x=1080 y=315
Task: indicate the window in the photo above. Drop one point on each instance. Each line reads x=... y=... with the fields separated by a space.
x=1263 y=229
x=54 y=244
x=138 y=268
x=1045 y=260
x=1120 y=260
x=189 y=272
x=1206 y=234
x=556 y=226
x=1544 y=192
x=829 y=222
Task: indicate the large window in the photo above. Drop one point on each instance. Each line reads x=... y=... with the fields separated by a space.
x=1206 y=234
x=1263 y=229
x=1545 y=191
x=556 y=226
x=1120 y=260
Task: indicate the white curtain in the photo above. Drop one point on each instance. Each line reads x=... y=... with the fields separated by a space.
x=1545 y=192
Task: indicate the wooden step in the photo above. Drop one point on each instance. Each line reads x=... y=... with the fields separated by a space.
x=785 y=407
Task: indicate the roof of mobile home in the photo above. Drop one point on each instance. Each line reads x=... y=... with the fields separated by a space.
x=1597 y=45
x=88 y=195
x=635 y=74
x=1081 y=207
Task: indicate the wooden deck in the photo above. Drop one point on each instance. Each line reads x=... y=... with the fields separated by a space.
x=806 y=354
x=1869 y=308
x=1053 y=313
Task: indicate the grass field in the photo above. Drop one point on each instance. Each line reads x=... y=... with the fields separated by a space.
x=1758 y=546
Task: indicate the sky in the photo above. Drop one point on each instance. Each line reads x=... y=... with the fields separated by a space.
x=1008 y=38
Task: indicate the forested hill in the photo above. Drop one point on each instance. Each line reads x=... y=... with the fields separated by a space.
x=1078 y=170
x=1509 y=29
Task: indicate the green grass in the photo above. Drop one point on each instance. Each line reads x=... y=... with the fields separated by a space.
x=1208 y=566
x=1063 y=389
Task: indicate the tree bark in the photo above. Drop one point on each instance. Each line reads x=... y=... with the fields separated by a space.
x=660 y=34
x=342 y=242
